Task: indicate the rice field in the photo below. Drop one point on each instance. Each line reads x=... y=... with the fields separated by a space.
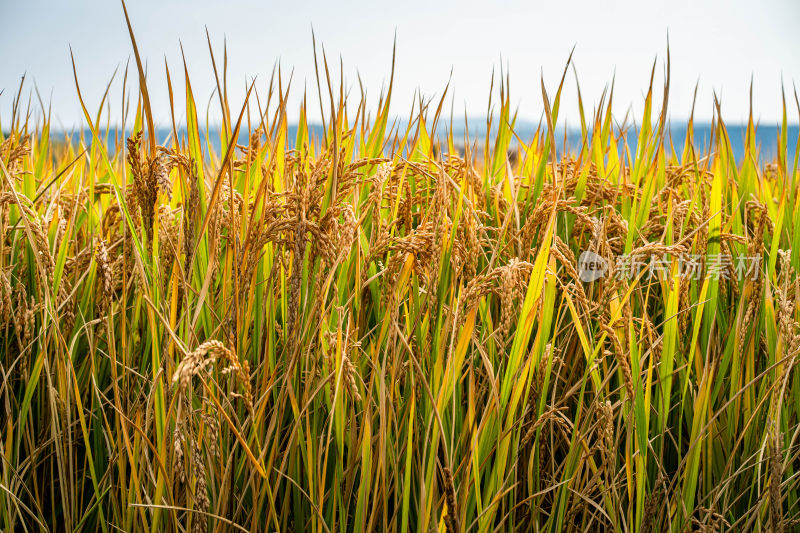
x=388 y=328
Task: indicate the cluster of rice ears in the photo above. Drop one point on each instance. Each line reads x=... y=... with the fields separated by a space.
x=376 y=330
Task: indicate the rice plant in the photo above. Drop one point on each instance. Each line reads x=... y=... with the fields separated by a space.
x=387 y=327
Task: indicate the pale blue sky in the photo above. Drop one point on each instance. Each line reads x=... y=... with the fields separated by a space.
x=719 y=43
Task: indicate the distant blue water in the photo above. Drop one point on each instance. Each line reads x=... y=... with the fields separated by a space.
x=766 y=137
